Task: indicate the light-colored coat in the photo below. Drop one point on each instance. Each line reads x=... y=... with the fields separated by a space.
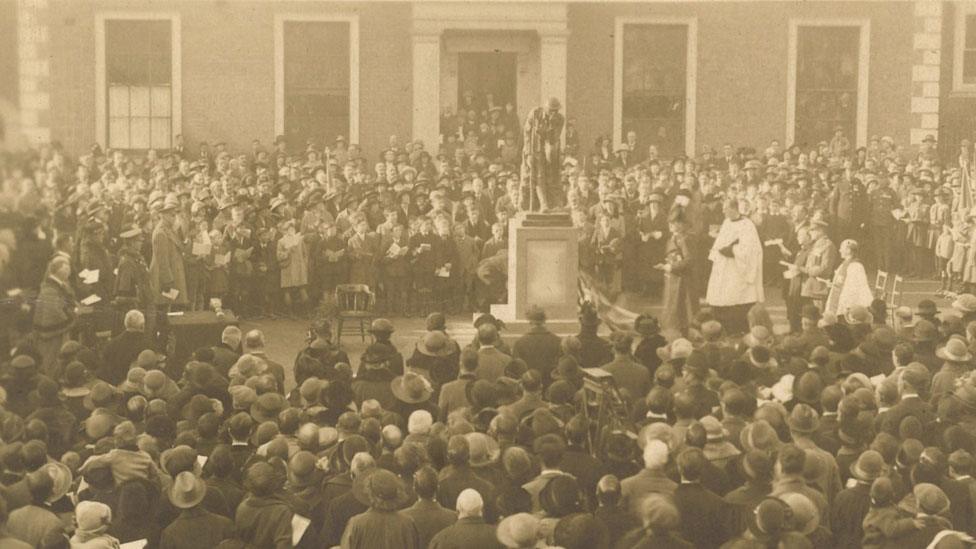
x=820 y=263
x=736 y=280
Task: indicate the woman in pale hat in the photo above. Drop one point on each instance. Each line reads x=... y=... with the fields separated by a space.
x=92 y=521
x=519 y=531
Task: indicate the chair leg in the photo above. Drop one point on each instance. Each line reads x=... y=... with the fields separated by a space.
x=362 y=330
x=339 y=331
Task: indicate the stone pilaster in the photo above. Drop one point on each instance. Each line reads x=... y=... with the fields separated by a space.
x=926 y=61
x=33 y=46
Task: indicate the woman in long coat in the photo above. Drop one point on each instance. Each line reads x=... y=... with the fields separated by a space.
x=680 y=301
x=652 y=233
x=166 y=269
x=54 y=315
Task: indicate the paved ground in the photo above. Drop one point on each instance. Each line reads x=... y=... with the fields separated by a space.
x=286 y=337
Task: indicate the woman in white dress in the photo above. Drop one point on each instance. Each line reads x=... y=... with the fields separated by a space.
x=850 y=285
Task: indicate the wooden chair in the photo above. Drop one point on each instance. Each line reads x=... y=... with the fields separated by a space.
x=895 y=297
x=355 y=304
x=881 y=285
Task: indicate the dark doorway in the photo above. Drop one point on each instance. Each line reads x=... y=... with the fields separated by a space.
x=489 y=78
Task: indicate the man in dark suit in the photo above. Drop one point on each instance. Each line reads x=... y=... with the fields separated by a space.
x=913 y=381
x=427 y=514
x=631 y=377
x=539 y=347
x=707 y=521
x=124 y=348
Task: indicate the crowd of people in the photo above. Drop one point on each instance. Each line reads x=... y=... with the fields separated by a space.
x=847 y=430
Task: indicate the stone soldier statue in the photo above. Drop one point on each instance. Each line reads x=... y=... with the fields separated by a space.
x=541 y=158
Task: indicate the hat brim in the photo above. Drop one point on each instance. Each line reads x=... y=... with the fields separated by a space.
x=400 y=392
x=360 y=491
x=941 y=353
x=422 y=348
x=860 y=475
x=180 y=502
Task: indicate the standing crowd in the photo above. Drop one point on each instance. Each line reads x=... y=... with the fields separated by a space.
x=851 y=430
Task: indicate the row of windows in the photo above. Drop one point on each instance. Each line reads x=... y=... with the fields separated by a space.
x=316 y=81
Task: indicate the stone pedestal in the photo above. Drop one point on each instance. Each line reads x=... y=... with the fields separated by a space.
x=543 y=270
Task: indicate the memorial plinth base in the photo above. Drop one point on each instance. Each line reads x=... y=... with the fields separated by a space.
x=543 y=270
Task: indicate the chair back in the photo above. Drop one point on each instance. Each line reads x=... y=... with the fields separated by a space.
x=353 y=298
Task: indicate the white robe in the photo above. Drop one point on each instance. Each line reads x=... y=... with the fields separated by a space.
x=736 y=280
x=850 y=288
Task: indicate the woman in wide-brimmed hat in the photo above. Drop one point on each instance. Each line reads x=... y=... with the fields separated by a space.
x=413 y=392
x=436 y=358
x=381 y=527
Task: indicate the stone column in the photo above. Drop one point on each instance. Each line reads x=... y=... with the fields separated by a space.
x=33 y=38
x=552 y=56
x=926 y=61
x=426 y=90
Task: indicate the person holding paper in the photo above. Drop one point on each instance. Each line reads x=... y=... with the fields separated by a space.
x=166 y=270
x=96 y=259
x=364 y=252
x=680 y=301
x=132 y=278
x=396 y=271
x=195 y=264
x=736 y=280
x=218 y=268
x=292 y=254
x=54 y=315
x=850 y=284
x=819 y=263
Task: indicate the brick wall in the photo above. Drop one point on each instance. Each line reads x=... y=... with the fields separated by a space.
x=228 y=68
x=742 y=65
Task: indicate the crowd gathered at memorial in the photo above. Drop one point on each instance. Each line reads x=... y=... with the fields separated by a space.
x=702 y=424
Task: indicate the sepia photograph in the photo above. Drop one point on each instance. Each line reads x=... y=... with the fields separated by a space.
x=487 y=274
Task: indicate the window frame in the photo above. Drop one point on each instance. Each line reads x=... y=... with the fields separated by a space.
x=691 y=73
x=863 y=68
x=962 y=11
x=176 y=68
x=279 y=65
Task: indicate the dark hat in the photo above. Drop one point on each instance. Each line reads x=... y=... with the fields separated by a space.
x=381 y=325
x=772 y=517
x=930 y=499
x=101 y=395
x=808 y=388
x=267 y=407
x=803 y=419
x=916 y=375
x=382 y=489
x=925 y=330
x=869 y=466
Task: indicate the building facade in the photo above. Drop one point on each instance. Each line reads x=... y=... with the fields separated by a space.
x=681 y=75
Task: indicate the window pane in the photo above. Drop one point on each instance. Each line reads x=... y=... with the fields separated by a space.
x=654 y=67
x=118 y=101
x=316 y=68
x=139 y=136
x=969 y=67
x=826 y=83
x=161 y=101
x=118 y=133
x=160 y=133
x=138 y=73
x=139 y=101
x=971 y=31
